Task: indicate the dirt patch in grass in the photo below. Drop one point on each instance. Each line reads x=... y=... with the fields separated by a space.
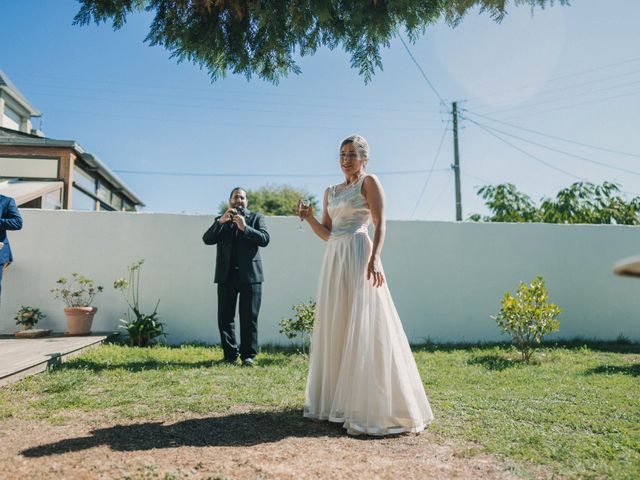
x=241 y=444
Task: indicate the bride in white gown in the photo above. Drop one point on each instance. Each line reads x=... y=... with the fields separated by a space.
x=361 y=372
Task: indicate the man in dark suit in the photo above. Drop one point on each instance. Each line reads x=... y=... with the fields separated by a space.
x=238 y=233
x=10 y=219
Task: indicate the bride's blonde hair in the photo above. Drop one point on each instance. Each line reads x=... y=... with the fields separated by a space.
x=358 y=141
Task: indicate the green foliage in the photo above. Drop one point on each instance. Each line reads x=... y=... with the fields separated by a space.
x=262 y=38
x=142 y=328
x=29 y=316
x=77 y=292
x=275 y=200
x=582 y=202
x=301 y=326
x=507 y=204
x=528 y=316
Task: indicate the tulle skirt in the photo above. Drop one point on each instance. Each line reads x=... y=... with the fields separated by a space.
x=361 y=372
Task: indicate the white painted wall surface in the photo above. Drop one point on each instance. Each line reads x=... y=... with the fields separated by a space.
x=445 y=278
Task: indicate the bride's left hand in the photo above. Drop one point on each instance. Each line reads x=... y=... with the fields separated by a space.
x=374 y=271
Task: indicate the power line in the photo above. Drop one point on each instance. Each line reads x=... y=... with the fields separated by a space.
x=424 y=75
x=238 y=109
x=573 y=105
x=553 y=79
x=200 y=99
x=275 y=174
x=438 y=198
x=555 y=100
x=431 y=170
x=146 y=87
x=554 y=137
x=579 y=157
x=576 y=85
x=228 y=124
x=526 y=153
x=483 y=180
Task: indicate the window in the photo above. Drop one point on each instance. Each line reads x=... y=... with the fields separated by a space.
x=104 y=193
x=82 y=201
x=116 y=201
x=11 y=119
x=128 y=206
x=52 y=200
x=84 y=179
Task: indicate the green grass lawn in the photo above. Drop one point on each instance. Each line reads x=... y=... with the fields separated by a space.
x=575 y=411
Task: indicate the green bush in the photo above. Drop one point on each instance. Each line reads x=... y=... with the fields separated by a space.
x=301 y=326
x=528 y=316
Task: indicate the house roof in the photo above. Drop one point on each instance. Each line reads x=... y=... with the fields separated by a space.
x=25 y=191
x=15 y=138
x=7 y=85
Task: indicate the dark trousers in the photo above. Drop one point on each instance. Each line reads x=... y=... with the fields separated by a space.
x=250 y=295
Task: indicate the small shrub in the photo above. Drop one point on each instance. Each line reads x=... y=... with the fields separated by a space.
x=528 y=316
x=28 y=316
x=142 y=328
x=301 y=326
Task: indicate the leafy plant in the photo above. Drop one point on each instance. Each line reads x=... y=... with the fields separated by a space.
x=77 y=292
x=581 y=202
x=142 y=328
x=301 y=326
x=28 y=316
x=528 y=316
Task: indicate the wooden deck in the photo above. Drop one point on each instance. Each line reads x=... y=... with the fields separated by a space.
x=20 y=357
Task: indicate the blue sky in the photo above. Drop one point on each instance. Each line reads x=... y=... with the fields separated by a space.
x=570 y=72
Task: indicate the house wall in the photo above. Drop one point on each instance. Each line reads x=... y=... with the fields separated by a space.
x=446 y=278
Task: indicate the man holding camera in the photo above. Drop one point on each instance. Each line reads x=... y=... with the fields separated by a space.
x=238 y=233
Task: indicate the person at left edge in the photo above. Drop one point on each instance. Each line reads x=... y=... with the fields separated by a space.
x=238 y=234
x=10 y=219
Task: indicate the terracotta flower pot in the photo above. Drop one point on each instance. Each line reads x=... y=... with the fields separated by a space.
x=79 y=320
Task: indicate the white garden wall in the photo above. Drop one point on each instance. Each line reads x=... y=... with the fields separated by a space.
x=445 y=278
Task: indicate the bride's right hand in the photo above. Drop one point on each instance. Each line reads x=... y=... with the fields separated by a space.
x=303 y=210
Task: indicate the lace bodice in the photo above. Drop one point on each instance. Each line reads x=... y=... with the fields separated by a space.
x=348 y=209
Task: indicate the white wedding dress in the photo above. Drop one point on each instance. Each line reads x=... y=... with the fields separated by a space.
x=361 y=371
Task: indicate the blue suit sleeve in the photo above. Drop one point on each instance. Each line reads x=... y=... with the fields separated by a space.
x=11 y=219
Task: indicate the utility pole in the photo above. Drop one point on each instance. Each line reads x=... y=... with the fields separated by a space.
x=456 y=161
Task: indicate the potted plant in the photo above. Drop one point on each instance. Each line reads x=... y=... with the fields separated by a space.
x=28 y=316
x=77 y=294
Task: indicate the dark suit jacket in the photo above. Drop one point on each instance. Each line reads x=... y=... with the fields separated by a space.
x=249 y=262
x=10 y=219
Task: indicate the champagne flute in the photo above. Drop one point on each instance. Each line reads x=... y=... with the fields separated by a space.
x=301 y=204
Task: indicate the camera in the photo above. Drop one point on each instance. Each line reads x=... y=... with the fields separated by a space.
x=239 y=211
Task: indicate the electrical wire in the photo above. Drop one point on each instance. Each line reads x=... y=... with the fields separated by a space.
x=539 y=160
x=553 y=79
x=275 y=174
x=579 y=157
x=604 y=149
x=424 y=75
x=431 y=170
